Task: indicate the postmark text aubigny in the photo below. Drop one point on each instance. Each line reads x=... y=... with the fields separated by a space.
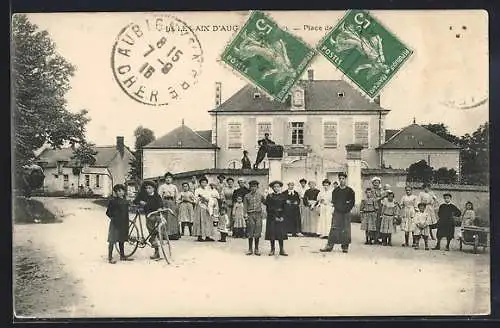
x=365 y=51
x=268 y=56
x=156 y=60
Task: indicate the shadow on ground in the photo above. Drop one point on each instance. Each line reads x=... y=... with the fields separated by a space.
x=27 y=211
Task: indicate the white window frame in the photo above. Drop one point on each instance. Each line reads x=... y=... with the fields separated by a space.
x=330 y=120
x=228 y=124
x=354 y=130
x=303 y=132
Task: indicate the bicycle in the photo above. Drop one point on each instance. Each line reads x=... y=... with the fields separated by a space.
x=136 y=237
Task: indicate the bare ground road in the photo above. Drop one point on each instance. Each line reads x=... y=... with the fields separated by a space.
x=62 y=272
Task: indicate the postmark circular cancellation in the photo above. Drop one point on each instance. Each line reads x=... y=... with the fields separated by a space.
x=157 y=59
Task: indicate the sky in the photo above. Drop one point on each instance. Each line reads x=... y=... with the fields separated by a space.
x=444 y=69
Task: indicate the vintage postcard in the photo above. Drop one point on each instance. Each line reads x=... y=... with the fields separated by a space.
x=250 y=164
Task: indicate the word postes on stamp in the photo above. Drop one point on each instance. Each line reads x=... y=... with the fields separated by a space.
x=365 y=51
x=156 y=60
x=271 y=58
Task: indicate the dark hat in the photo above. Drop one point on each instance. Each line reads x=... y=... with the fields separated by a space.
x=447 y=194
x=276 y=182
x=303 y=180
x=117 y=187
x=326 y=181
x=203 y=178
x=149 y=183
x=253 y=183
x=168 y=174
x=422 y=204
x=342 y=174
x=230 y=179
x=221 y=176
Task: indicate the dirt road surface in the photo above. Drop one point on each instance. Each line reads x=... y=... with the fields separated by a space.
x=216 y=279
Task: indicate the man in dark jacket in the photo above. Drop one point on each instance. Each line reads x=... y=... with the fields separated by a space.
x=264 y=146
x=343 y=199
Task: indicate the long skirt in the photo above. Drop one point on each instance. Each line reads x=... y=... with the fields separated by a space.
x=311 y=218
x=186 y=212
x=324 y=220
x=173 y=227
x=203 y=224
x=407 y=224
x=371 y=220
x=340 y=232
x=446 y=228
x=292 y=215
x=387 y=224
x=117 y=232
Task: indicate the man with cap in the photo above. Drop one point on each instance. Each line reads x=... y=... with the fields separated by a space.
x=275 y=222
x=252 y=204
x=343 y=199
x=170 y=195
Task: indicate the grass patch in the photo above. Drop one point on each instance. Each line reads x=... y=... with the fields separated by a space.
x=27 y=211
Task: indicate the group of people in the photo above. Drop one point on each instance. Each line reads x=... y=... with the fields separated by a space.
x=417 y=215
x=215 y=210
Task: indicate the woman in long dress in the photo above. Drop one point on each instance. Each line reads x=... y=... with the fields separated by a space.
x=203 y=225
x=430 y=200
x=310 y=211
x=325 y=210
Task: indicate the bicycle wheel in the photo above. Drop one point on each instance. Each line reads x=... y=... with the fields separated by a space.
x=130 y=245
x=164 y=242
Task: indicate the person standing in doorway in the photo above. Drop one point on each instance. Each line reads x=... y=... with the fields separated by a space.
x=343 y=199
x=291 y=210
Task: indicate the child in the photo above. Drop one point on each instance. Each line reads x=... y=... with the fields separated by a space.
x=252 y=203
x=429 y=199
x=409 y=207
x=422 y=229
x=239 y=218
x=446 y=224
x=275 y=225
x=151 y=201
x=390 y=211
x=186 y=208
x=117 y=212
x=222 y=224
x=468 y=217
x=368 y=209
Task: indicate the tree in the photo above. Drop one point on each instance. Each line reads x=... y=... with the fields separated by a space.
x=143 y=136
x=442 y=130
x=445 y=176
x=475 y=156
x=83 y=155
x=40 y=82
x=420 y=172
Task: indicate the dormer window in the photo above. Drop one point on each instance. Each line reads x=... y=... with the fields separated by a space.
x=256 y=95
x=298 y=99
x=340 y=94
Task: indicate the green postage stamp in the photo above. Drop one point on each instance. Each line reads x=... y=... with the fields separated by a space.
x=365 y=51
x=268 y=56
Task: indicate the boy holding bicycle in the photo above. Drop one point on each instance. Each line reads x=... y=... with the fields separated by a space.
x=149 y=199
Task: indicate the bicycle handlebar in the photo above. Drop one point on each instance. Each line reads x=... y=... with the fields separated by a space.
x=161 y=210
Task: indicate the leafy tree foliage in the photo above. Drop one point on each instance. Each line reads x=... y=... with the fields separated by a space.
x=143 y=136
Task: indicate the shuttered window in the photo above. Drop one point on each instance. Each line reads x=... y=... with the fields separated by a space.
x=361 y=133
x=262 y=128
x=330 y=134
x=234 y=135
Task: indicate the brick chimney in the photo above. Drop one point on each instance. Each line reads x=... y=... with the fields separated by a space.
x=120 y=145
x=310 y=74
x=218 y=94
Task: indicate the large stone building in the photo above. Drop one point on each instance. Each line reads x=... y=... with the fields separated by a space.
x=314 y=125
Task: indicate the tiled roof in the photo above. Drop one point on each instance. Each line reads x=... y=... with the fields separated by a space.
x=206 y=134
x=417 y=137
x=389 y=133
x=105 y=154
x=320 y=95
x=184 y=138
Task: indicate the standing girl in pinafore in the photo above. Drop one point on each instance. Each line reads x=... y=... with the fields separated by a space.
x=409 y=206
x=429 y=199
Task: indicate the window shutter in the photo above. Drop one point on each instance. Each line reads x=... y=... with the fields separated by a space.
x=288 y=133
x=330 y=134
x=234 y=135
x=361 y=133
